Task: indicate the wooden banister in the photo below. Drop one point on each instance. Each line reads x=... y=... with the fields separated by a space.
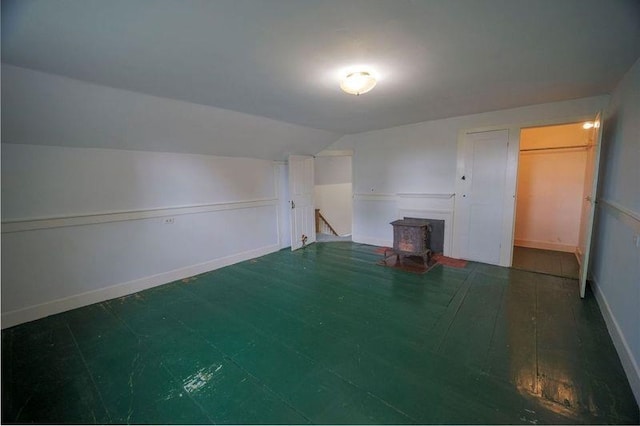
x=321 y=220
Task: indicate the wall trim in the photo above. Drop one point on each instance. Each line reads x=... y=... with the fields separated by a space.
x=31 y=313
x=396 y=196
x=425 y=195
x=627 y=216
x=629 y=364
x=404 y=211
x=31 y=224
x=375 y=197
x=544 y=245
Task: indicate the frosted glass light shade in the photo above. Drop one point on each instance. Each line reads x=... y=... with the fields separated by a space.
x=358 y=83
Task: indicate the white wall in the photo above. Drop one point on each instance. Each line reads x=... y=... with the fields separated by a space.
x=41 y=181
x=332 y=169
x=550 y=183
x=421 y=159
x=549 y=199
x=333 y=191
x=81 y=225
x=83 y=215
x=616 y=245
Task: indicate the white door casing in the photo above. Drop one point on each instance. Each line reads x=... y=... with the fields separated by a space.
x=589 y=201
x=480 y=196
x=301 y=182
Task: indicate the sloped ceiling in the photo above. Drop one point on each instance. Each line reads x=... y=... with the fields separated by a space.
x=282 y=59
x=45 y=109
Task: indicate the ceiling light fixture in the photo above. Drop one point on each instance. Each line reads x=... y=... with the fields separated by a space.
x=587 y=125
x=357 y=83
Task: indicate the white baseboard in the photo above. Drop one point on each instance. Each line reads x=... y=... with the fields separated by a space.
x=361 y=239
x=543 y=245
x=629 y=363
x=31 y=313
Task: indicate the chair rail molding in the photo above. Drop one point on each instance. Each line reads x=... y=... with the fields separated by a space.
x=31 y=224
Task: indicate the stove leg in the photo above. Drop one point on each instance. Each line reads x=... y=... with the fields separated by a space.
x=427 y=257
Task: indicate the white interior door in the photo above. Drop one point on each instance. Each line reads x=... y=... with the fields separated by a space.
x=589 y=201
x=480 y=196
x=302 y=207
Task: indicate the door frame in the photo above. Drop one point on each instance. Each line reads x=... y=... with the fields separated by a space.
x=592 y=198
x=341 y=153
x=308 y=200
x=509 y=195
x=513 y=150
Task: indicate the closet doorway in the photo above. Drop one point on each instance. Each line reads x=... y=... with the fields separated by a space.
x=550 y=191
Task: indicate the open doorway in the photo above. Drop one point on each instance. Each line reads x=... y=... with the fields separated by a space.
x=550 y=191
x=333 y=196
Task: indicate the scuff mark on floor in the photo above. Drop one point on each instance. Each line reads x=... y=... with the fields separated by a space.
x=133 y=371
x=529 y=417
x=27 y=402
x=200 y=379
x=173 y=393
x=126 y=298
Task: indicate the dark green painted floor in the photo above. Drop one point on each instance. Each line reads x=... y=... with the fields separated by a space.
x=550 y=262
x=323 y=335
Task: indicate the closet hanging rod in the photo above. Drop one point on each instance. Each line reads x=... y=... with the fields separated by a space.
x=554 y=147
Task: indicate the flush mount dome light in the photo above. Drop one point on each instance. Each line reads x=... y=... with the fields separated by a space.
x=357 y=83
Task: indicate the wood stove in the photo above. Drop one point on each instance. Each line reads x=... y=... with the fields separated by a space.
x=411 y=238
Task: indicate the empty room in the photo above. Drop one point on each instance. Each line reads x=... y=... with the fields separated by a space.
x=320 y=212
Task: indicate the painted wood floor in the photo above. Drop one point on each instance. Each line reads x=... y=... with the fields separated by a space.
x=323 y=335
x=557 y=263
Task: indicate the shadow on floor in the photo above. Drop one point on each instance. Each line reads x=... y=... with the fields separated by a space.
x=560 y=264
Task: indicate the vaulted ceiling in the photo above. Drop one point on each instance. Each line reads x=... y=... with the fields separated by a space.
x=282 y=59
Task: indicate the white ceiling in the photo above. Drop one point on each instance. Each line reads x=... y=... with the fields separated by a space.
x=281 y=59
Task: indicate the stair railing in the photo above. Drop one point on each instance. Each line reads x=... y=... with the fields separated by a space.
x=323 y=226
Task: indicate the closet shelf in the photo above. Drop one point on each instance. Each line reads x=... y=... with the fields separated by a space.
x=555 y=148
